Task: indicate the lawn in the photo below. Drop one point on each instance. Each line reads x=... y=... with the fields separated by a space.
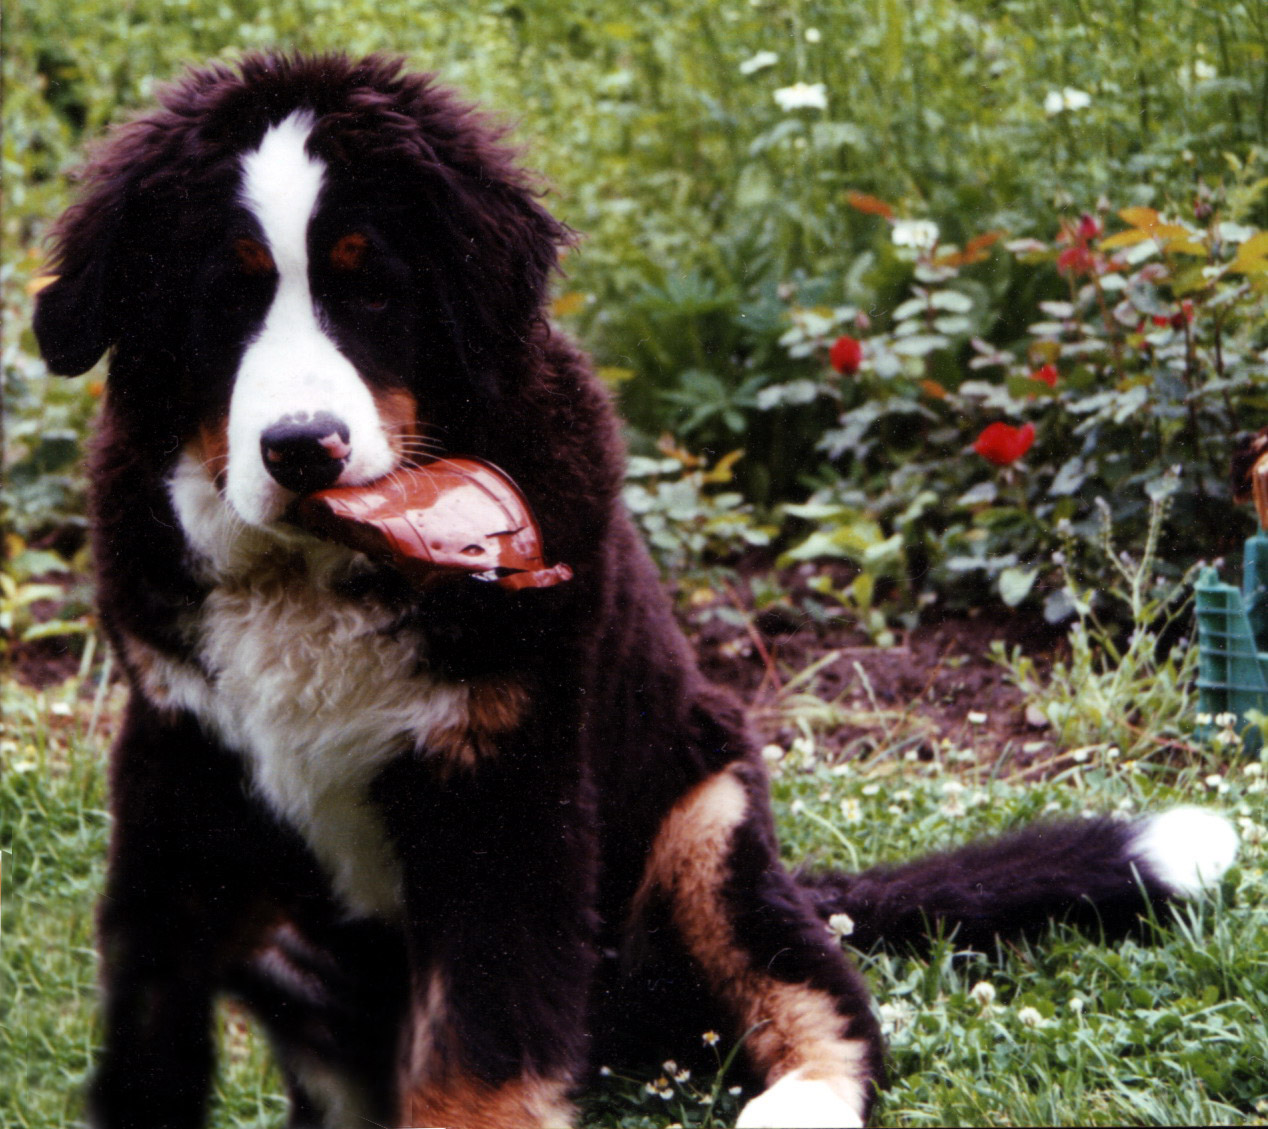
x=1065 y=1031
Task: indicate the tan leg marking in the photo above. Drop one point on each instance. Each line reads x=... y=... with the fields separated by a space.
x=461 y=1102
x=792 y=1026
x=440 y=1094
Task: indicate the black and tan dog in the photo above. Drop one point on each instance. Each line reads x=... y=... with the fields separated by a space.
x=451 y=844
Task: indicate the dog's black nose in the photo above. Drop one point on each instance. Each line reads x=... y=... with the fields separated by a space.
x=305 y=453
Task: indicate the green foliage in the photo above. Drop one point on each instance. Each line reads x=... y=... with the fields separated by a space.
x=682 y=515
x=1152 y=361
x=1118 y=692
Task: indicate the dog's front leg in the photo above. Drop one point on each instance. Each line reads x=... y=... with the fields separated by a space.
x=498 y=862
x=177 y=893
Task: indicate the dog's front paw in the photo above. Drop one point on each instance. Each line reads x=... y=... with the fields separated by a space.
x=799 y=1102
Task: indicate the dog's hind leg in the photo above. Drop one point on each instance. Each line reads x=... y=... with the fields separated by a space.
x=801 y=1008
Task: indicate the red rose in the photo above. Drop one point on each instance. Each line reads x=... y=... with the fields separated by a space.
x=1004 y=444
x=1089 y=227
x=846 y=355
x=1046 y=375
x=1075 y=260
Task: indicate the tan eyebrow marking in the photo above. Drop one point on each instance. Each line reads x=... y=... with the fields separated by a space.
x=349 y=252
x=253 y=256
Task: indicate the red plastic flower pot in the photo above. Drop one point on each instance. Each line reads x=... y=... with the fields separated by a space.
x=846 y=355
x=1003 y=444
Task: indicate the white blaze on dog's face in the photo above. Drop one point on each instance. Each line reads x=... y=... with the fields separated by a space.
x=292 y=378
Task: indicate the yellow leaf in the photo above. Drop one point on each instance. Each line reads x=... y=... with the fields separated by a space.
x=934 y=389
x=1140 y=217
x=1251 y=252
x=1186 y=246
x=39 y=282
x=613 y=375
x=722 y=471
x=1125 y=239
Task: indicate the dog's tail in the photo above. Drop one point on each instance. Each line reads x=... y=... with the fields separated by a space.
x=1098 y=873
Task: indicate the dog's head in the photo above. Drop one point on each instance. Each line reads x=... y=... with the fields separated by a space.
x=306 y=270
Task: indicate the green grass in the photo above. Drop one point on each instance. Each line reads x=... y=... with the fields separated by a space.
x=1173 y=1032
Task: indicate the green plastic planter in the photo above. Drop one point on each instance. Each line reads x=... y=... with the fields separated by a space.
x=1233 y=642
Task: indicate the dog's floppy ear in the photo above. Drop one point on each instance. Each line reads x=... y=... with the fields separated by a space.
x=73 y=321
x=95 y=250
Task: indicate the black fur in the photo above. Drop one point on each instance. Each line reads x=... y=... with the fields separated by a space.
x=526 y=882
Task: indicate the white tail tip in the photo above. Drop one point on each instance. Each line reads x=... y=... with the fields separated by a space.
x=1187 y=849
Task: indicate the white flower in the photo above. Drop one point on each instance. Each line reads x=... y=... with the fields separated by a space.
x=772 y=753
x=813 y=35
x=983 y=992
x=710 y=1038
x=802 y=96
x=840 y=925
x=1075 y=1005
x=1059 y=101
x=759 y=62
x=1030 y=1017
x=895 y=1016
x=920 y=234
x=1201 y=71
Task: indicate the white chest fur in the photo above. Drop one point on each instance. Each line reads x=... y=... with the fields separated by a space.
x=318 y=697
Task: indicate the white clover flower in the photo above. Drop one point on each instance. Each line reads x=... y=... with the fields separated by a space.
x=1079 y=755
x=1075 y=1005
x=840 y=925
x=1030 y=1017
x=605 y=1072
x=1252 y=832
x=802 y=96
x=772 y=753
x=1255 y=768
x=983 y=992
x=851 y=811
x=759 y=62
x=813 y=35
x=976 y=717
x=1066 y=99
